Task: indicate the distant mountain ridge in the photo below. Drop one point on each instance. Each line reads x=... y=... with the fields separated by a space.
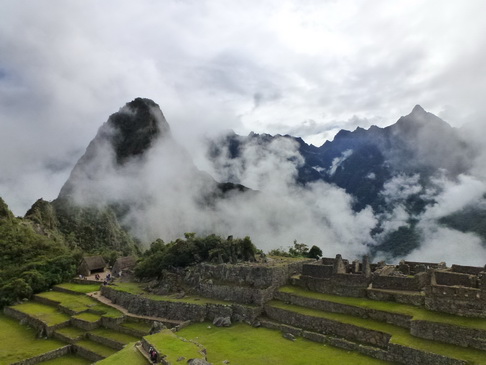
x=419 y=145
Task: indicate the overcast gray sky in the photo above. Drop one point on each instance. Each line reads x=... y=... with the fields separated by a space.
x=307 y=68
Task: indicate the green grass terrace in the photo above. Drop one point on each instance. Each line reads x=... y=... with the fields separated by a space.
x=242 y=344
x=415 y=312
x=399 y=335
x=18 y=342
x=80 y=303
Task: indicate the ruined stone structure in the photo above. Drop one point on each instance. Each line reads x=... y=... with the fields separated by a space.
x=459 y=290
x=311 y=307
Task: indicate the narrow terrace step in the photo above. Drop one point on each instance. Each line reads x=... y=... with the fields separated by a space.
x=357 y=330
x=42 y=317
x=111 y=338
x=86 y=321
x=92 y=350
x=449 y=328
x=172 y=348
x=342 y=343
x=69 y=334
x=358 y=307
x=397 y=340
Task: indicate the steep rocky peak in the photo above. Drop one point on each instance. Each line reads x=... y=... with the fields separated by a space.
x=418 y=110
x=134 y=128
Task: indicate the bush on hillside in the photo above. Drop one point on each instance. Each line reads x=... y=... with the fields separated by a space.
x=191 y=250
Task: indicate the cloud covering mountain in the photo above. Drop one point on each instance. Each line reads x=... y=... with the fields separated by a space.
x=137 y=168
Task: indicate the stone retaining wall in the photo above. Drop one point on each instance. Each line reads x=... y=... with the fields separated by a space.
x=408 y=356
x=455 y=279
x=397 y=319
x=472 y=270
x=33 y=322
x=54 y=354
x=87 y=354
x=239 y=294
x=141 y=305
x=462 y=336
x=467 y=302
x=349 y=285
x=106 y=341
x=317 y=270
x=328 y=326
x=85 y=325
x=415 y=283
x=417 y=299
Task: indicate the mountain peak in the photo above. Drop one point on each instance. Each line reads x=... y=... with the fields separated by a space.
x=418 y=110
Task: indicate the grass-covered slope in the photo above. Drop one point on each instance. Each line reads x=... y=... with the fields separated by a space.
x=19 y=342
x=242 y=344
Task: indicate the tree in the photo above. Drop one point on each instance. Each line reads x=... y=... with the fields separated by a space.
x=315 y=252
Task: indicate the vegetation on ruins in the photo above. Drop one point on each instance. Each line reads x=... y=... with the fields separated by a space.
x=298 y=250
x=193 y=249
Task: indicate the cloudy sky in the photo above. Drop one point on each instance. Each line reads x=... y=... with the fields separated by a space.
x=307 y=68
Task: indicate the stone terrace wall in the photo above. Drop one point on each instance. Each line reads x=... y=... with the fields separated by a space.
x=415 y=283
x=467 y=302
x=350 y=285
x=397 y=319
x=317 y=270
x=472 y=270
x=33 y=322
x=408 y=356
x=241 y=283
x=455 y=279
x=417 y=299
x=45 y=356
x=462 y=336
x=139 y=304
x=328 y=326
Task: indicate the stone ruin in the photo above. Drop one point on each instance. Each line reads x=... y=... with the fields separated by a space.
x=458 y=289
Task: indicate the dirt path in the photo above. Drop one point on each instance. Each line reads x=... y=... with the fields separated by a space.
x=97 y=295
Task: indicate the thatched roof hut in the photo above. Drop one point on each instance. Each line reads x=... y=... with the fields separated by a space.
x=123 y=264
x=91 y=264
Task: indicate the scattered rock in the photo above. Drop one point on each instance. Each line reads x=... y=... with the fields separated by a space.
x=181 y=358
x=157 y=327
x=288 y=336
x=198 y=362
x=222 y=321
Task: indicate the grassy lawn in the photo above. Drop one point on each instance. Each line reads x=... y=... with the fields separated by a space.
x=242 y=344
x=168 y=343
x=138 y=326
x=67 y=359
x=46 y=313
x=129 y=355
x=400 y=335
x=96 y=347
x=416 y=312
x=19 y=342
x=135 y=288
x=73 y=333
x=114 y=335
x=80 y=288
x=81 y=303
x=88 y=317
